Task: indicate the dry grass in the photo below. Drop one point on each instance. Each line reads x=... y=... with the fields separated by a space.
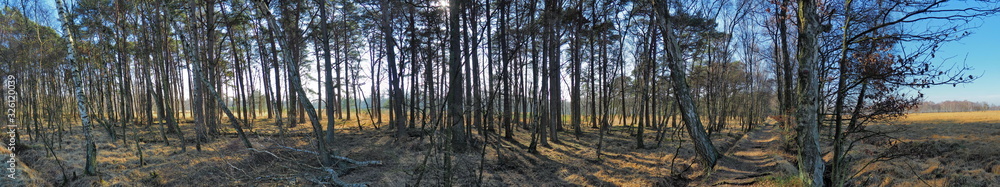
x=945 y=149
x=223 y=161
x=940 y=149
x=23 y=176
x=952 y=117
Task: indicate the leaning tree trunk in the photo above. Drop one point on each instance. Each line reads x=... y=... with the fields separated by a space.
x=90 y=167
x=222 y=104
x=209 y=89
x=292 y=71
x=703 y=145
x=811 y=164
x=293 y=75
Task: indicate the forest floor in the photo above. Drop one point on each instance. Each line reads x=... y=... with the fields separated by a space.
x=950 y=149
x=415 y=160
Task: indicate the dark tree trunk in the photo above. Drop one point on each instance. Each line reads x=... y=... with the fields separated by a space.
x=703 y=145
x=555 y=94
x=786 y=64
x=396 y=93
x=455 y=98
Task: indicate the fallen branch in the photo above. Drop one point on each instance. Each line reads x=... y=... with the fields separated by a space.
x=359 y=163
x=336 y=180
x=299 y=150
x=349 y=160
x=334 y=176
x=276 y=156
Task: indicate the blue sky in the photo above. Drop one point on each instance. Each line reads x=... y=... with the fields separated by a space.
x=981 y=51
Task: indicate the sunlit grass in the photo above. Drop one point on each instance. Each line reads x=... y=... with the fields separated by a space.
x=953 y=117
x=945 y=149
x=224 y=160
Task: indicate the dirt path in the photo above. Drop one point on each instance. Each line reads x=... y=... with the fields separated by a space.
x=750 y=158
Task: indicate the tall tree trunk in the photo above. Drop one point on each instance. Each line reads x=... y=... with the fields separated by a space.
x=209 y=61
x=468 y=100
x=543 y=97
x=703 y=145
x=347 y=82
x=505 y=67
x=124 y=86
x=292 y=102
x=396 y=93
x=376 y=106
x=455 y=98
x=167 y=90
x=90 y=166
x=786 y=64
x=575 y=89
x=266 y=71
x=477 y=94
x=811 y=164
x=555 y=94
x=431 y=94
x=415 y=91
x=536 y=122
x=277 y=81
x=327 y=72
x=166 y=111
x=838 y=170
x=197 y=88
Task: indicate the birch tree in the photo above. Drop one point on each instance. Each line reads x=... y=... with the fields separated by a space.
x=90 y=167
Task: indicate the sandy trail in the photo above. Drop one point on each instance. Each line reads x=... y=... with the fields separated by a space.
x=750 y=158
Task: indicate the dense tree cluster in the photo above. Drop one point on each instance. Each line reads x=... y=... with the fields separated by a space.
x=472 y=72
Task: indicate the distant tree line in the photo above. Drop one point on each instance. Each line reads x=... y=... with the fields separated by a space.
x=954 y=106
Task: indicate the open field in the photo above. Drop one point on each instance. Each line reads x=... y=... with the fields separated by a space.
x=952 y=117
x=934 y=149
